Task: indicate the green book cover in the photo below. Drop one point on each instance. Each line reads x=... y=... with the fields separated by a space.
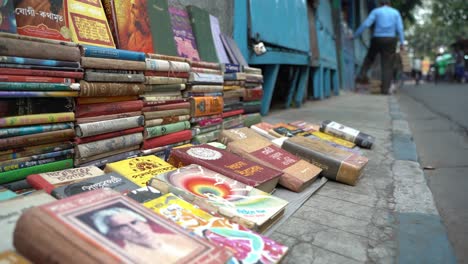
x=200 y=20
x=161 y=28
x=19 y=174
x=157 y=131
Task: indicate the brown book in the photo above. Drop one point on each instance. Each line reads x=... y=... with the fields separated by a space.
x=231 y=165
x=91 y=119
x=297 y=173
x=96 y=100
x=37 y=139
x=104 y=226
x=108 y=108
x=165 y=113
x=184 y=105
x=112 y=64
x=337 y=164
x=38 y=50
x=92 y=89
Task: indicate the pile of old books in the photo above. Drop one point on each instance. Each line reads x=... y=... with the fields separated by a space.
x=109 y=122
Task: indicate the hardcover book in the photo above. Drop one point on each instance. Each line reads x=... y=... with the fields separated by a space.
x=183 y=35
x=167 y=139
x=104 y=146
x=200 y=20
x=110 y=180
x=141 y=169
x=228 y=164
x=47 y=181
x=336 y=164
x=297 y=173
x=103 y=226
x=230 y=135
x=205 y=106
x=234 y=200
x=8 y=21
x=347 y=133
x=157 y=131
x=28 y=106
x=79 y=21
x=20 y=174
x=12 y=210
x=248 y=246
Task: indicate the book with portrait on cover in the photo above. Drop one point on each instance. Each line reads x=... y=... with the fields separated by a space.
x=103 y=226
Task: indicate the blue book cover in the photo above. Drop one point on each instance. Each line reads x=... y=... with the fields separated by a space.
x=39 y=62
x=6 y=194
x=108 y=53
x=231 y=68
x=7 y=15
x=28 y=130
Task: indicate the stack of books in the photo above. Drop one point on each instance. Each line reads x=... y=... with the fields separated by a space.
x=166 y=113
x=252 y=99
x=234 y=81
x=109 y=122
x=37 y=86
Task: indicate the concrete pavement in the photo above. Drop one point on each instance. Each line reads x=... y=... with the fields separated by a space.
x=389 y=216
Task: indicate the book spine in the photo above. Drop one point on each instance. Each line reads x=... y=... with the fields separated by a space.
x=17 y=185
x=232 y=113
x=27 y=164
x=203 y=118
x=40 y=138
x=108 y=53
x=161 y=130
x=233 y=122
x=107 y=108
x=234 y=83
x=96 y=128
x=97 y=100
x=204 y=106
x=231 y=68
x=36 y=119
x=202 y=94
x=205 y=70
x=114 y=77
x=34 y=79
x=166 y=66
x=38 y=50
x=184 y=75
x=165 y=113
x=27 y=130
x=109 y=135
x=205 y=88
x=20 y=174
x=107 y=145
x=114 y=71
x=176 y=87
x=38 y=67
x=92 y=119
x=234 y=76
x=210 y=122
x=37 y=157
x=205 y=129
x=21 y=94
x=206 y=137
x=196 y=77
x=205 y=64
x=166 y=120
x=80 y=160
x=231 y=107
x=14 y=153
x=109 y=10
x=49 y=73
x=22 y=86
x=183 y=105
x=164 y=80
x=111 y=64
x=40 y=62
x=163 y=148
x=252 y=95
x=93 y=89
x=165 y=57
x=100 y=163
x=347 y=133
x=28 y=105
x=167 y=139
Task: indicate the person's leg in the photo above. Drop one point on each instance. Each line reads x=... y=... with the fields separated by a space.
x=387 y=55
x=370 y=57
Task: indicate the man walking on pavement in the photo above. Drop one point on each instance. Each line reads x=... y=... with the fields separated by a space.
x=387 y=24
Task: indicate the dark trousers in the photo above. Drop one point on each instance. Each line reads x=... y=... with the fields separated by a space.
x=386 y=48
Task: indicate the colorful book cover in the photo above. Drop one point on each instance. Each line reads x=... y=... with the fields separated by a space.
x=183 y=35
x=205 y=106
x=80 y=21
x=104 y=226
x=36 y=119
x=200 y=20
x=156 y=131
x=248 y=246
x=7 y=14
x=41 y=62
x=237 y=201
x=20 y=174
x=141 y=169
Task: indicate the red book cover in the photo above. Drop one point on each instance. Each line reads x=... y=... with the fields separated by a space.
x=253 y=94
x=39 y=183
x=167 y=139
x=166 y=107
x=35 y=79
x=89 y=110
x=228 y=164
x=168 y=74
x=109 y=135
x=233 y=113
x=29 y=72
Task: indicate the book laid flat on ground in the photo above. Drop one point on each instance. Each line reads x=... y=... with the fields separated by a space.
x=248 y=246
x=337 y=164
x=140 y=169
x=104 y=226
x=228 y=164
x=11 y=211
x=215 y=192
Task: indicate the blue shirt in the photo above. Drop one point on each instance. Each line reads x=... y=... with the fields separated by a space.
x=387 y=21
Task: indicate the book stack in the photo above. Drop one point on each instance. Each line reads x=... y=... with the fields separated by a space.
x=234 y=90
x=37 y=86
x=166 y=113
x=109 y=122
x=252 y=98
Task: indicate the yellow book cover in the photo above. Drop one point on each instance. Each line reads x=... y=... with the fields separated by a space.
x=140 y=169
x=333 y=139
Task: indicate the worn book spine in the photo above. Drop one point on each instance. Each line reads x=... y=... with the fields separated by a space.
x=196 y=77
x=88 y=110
x=206 y=70
x=92 y=119
x=112 y=99
x=252 y=107
x=232 y=113
x=27 y=106
x=109 y=135
x=38 y=50
x=36 y=119
x=166 y=66
x=41 y=62
x=34 y=79
x=233 y=122
x=164 y=102
x=165 y=113
x=112 y=64
x=101 y=127
x=163 y=148
x=82 y=160
x=206 y=137
x=28 y=164
x=161 y=94
x=27 y=86
x=235 y=76
x=206 y=64
x=230 y=67
x=347 y=133
x=37 y=157
x=114 y=77
x=205 y=88
x=114 y=71
x=106 y=145
x=21 y=174
x=40 y=68
x=156 y=131
x=161 y=98
x=251 y=70
x=41 y=73
x=167 y=139
x=165 y=57
x=200 y=119
x=164 y=80
x=253 y=94
x=166 y=87
x=205 y=129
x=19 y=152
x=40 y=40
x=166 y=120
x=232 y=106
x=36 y=139
x=183 y=105
x=28 y=130
x=100 y=163
x=252 y=119
x=171 y=74
x=235 y=93
x=93 y=89
x=21 y=94
x=108 y=53
x=204 y=106
x=234 y=83
x=210 y=121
